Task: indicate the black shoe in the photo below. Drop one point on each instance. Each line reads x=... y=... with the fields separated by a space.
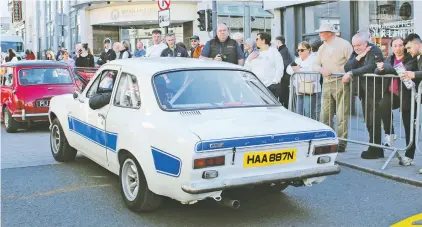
x=341 y=149
x=372 y=154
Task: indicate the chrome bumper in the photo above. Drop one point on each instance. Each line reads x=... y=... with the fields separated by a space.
x=218 y=185
x=24 y=115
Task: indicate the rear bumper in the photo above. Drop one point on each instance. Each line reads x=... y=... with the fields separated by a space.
x=218 y=185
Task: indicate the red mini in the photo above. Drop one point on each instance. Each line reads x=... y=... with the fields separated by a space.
x=28 y=86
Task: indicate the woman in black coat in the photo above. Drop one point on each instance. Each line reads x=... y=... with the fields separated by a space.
x=394 y=88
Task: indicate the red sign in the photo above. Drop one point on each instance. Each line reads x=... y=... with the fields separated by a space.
x=17 y=11
x=164 y=4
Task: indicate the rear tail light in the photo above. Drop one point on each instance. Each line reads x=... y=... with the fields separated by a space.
x=325 y=149
x=209 y=162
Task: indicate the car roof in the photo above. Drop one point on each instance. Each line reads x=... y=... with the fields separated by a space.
x=155 y=65
x=36 y=63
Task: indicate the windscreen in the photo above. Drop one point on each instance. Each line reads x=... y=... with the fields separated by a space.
x=199 y=89
x=37 y=76
x=17 y=46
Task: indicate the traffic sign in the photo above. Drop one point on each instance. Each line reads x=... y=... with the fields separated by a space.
x=164 y=4
x=164 y=18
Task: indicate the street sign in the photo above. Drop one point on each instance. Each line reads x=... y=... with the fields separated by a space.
x=164 y=4
x=164 y=18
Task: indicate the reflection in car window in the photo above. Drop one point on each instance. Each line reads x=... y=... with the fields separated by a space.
x=7 y=79
x=127 y=93
x=210 y=89
x=103 y=83
x=38 y=76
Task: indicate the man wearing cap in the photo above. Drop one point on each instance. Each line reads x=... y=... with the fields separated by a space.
x=196 y=50
x=223 y=48
x=157 y=48
x=331 y=58
x=108 y=54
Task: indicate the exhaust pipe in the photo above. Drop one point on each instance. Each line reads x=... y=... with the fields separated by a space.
x=234 y=204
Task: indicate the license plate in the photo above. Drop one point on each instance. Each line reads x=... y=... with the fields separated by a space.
x=266 y=158
x=43 y=103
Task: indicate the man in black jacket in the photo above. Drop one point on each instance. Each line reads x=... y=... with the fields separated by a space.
x=108 y=54
x=363 y=60
x=173 y=50
x=285 y=80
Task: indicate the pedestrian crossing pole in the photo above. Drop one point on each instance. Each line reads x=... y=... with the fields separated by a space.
x=247 y=21
x=214 y=18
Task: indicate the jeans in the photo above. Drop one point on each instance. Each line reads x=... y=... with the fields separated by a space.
x=309 y=105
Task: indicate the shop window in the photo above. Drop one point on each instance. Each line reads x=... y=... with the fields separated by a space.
x=328 y=13
x=388 y=19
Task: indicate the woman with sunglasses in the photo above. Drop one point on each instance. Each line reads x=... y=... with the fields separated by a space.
x=306 y=86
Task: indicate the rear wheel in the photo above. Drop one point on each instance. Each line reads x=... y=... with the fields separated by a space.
x=134 y=187
x=10 y=124
x=60 y=148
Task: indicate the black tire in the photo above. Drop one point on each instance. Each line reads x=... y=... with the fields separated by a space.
x=10 y=124
x=64 y=152
x=145 y=200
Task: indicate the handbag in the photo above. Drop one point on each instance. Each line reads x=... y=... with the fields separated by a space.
x=306 y=87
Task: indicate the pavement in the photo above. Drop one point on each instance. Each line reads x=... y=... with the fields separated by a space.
x=351 y=158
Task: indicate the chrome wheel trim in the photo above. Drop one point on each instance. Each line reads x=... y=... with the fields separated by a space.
x=55 y=139
x=130 y=179
x=6 y=120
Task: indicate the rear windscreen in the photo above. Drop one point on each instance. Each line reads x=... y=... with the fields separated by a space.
x=39 y=76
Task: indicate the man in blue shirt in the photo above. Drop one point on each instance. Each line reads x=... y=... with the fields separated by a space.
x=223 y=48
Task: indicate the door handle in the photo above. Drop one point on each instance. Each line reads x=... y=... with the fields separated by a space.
x=101 y=115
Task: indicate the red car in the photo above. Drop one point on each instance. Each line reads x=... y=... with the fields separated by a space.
x=28 y=86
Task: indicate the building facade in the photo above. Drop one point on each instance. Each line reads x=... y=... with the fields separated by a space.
x=383 y=19
x=50 y=24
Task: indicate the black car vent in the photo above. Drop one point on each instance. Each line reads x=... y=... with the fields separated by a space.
x=190 y=113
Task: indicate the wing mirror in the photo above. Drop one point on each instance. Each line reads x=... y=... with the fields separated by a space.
x=75 y=95
x=98 y=101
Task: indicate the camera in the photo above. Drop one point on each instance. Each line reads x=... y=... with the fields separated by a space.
x=223 y=56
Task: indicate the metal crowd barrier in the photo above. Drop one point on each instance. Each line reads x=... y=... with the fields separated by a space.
x=300 y=101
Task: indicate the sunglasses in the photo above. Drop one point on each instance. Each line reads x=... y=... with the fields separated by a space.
x=301 y=50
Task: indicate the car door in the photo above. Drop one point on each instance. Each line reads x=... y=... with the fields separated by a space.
x=126 y=102
x=90 y=124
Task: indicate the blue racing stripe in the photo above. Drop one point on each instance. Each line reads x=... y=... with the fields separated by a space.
x=263 y=140
x=166 y=163
x=101 y=137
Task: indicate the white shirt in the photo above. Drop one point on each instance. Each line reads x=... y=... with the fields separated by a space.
x=268 y=66
x=155 y=50
x=305 y=66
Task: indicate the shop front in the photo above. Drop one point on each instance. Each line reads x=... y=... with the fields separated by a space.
x=133 y=22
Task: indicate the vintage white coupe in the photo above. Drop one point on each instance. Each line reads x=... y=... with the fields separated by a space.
x=189 y=129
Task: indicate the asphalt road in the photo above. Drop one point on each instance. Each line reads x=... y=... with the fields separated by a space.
x=40 y=192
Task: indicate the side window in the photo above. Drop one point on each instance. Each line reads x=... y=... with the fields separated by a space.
x=7 y=78
x=103 y=83
x=127 y=94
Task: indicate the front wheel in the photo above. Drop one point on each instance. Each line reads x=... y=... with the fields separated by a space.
x=10 y=124
x=134 y=187
x=60 y=148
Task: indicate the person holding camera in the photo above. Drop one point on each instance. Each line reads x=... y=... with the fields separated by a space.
x=223 y=48
x=266 y=64
x=84 y=58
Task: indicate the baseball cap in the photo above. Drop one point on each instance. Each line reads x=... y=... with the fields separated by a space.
x=195 y=37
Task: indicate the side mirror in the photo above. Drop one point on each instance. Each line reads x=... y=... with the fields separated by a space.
x=98 y=101
x=75 y=95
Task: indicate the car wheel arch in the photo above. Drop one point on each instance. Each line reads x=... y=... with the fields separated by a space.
x=122 y=153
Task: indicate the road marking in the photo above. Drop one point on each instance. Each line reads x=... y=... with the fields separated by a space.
x=415 y=220
x=9 y=197
x=56 y=191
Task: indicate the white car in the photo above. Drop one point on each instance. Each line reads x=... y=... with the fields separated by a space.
x=189 y=129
